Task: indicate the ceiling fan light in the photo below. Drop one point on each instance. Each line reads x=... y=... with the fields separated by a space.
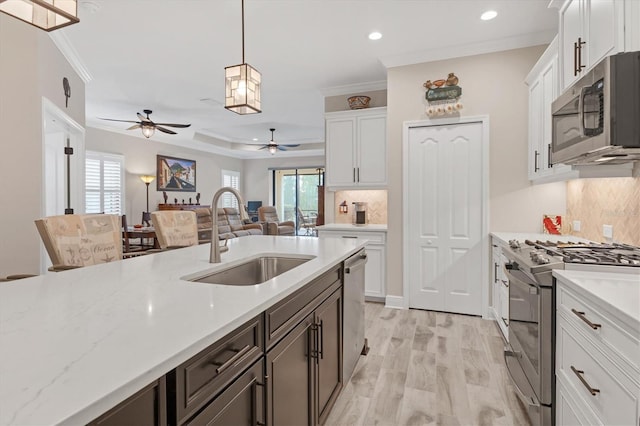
x=48 y=15
x=147 y=130
x=242 y=89
x=272 y=149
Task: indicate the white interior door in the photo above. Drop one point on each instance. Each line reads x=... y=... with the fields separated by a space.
x=445 y=217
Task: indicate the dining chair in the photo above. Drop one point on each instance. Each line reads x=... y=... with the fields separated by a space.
x=175 y=228
x=127 y=246
x=78 y=240
x=306 y=223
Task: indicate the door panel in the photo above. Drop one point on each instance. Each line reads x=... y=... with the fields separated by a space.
x=445 y=217
x=289 y=399
x=329 y=361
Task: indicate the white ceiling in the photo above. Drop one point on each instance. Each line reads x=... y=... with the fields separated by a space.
x=169 y=56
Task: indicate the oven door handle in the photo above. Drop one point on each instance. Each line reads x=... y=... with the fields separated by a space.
x=529 y=401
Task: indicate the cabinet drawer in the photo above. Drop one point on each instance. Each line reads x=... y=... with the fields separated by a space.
x=611 y=395
x=569 y=410
x=286 y=314
x=372 y=237
x=197 y=380
x=606 y=332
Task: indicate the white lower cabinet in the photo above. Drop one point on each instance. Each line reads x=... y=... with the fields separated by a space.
x=499 y=289
x=596 y=380
x=376 y=268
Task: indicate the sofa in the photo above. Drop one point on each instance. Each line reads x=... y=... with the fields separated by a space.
x=230 y=224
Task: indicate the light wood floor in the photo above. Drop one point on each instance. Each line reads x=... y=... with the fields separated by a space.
x=428 y=368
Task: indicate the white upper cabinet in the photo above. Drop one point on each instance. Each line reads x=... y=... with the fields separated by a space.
x=356 y=149
x=543 y=89
x=589 y=31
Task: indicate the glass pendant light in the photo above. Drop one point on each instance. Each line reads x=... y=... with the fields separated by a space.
x=47 y=15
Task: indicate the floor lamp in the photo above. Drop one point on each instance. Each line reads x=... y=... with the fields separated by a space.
x=146 y=215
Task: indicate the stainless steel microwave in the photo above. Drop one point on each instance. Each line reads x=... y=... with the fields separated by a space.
x=597 y=120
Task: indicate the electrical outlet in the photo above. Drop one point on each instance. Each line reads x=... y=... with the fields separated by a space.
x=607 y=231
x=576 y=225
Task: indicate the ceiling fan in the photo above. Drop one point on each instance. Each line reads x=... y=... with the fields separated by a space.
x=149 y=127
x=273 y=147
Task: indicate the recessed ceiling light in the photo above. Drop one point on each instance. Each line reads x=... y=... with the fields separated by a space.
x=254 y=139
x=375 y=36
x=488 y=15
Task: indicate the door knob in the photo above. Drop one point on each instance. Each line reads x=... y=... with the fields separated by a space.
x=429 y=242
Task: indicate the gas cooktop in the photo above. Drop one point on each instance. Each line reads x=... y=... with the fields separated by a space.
x=614 y=254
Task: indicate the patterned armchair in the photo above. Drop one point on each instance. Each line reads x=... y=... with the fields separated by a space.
x=74 y=241
x=175 y=228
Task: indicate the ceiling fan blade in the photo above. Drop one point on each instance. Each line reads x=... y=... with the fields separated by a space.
x=291 y=146
x=162 y=129
x=281 y=148
x=262 y=147
x=122 y=121
x=142 y=117
x=182 y=126
x=135 y=126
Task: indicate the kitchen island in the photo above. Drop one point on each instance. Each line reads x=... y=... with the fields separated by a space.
x=74 y=344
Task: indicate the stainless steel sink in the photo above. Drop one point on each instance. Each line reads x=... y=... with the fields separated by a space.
x=253 y=271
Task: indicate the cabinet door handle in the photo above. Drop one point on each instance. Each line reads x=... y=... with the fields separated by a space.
x=504 y=320
x=535 y=162
x=239 y=354
x=321 y=334
x=358 y=174
x=580 y=374
x=582 y=316
x=354 y=174
x=549 y=164
x=495 y=272
x=505 y=283
x=349 y=236
x=577 y=56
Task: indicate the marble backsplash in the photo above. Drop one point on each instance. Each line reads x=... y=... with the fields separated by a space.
x=597 y=202
x=376 y=202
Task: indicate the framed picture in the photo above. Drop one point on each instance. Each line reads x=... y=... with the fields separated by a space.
x=176 y=174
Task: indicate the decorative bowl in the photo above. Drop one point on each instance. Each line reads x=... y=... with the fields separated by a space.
x=359 y=102
x=438 y=83
x=137 y=226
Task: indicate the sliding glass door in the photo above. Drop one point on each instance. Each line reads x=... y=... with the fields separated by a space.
x=296 y=197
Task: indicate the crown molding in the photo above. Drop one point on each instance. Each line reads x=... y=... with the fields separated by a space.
x=63 y=44
x=354 y=88
x=469 y=49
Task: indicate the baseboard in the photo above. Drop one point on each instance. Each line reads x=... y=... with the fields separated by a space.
x=395 y=302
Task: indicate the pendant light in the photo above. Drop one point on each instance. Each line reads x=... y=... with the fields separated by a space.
x=47 y=15
x=242 y=85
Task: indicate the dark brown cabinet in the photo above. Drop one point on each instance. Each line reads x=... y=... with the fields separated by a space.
x=146 y=407
x=305 y=367
x=241 y=404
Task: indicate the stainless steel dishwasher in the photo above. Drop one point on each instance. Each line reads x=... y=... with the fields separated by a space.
x=354 y=343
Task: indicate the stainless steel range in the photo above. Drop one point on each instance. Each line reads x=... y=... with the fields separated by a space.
x=530 y=354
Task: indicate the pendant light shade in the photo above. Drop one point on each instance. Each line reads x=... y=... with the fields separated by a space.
x=48 y=15
x=242 y=85
x=147 y=130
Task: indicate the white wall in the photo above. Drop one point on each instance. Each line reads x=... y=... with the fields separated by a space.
x=492 y=84
x=257 y=182
x=140 y=159
x=30 y=67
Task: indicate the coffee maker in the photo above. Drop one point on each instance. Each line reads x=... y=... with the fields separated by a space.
x=360 y=213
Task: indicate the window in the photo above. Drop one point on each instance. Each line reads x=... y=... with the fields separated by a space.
x=231 y=179
x=104 y=183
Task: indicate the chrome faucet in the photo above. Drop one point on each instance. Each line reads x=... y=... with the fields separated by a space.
x=214 y=256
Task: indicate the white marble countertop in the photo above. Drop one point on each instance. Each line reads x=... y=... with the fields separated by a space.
x=73 y=344
x=618 y=292
x=351 y=227
x=521 y=236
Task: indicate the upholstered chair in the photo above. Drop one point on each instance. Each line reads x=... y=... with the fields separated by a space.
x=237 y=225
x=74 y=241
x=175 y=228
x=269 y=215
x=205 y=224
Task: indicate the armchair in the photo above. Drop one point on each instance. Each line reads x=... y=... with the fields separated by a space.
x=269 y=215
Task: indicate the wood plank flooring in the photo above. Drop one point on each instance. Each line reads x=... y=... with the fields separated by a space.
x=428 y=368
